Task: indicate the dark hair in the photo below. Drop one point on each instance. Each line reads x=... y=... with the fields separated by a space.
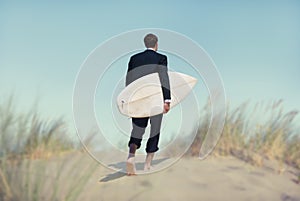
x=150 y=40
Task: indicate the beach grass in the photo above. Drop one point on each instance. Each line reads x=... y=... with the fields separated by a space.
x=256 y=134
x=37 y=159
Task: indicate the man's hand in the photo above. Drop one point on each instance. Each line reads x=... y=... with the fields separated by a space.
x=166 y=107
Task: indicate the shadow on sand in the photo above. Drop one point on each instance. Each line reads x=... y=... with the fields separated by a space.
x=121 y=166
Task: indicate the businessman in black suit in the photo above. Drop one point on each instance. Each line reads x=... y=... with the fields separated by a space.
x=141 y=64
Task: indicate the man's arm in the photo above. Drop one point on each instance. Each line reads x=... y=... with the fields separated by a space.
x=165 y=83
x=164 y=78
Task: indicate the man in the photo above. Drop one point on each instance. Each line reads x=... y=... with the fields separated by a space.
x=142 y=64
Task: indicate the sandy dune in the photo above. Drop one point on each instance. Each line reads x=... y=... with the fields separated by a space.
x=191 y=179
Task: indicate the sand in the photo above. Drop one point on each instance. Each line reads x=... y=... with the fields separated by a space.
x=76 y=176
x=191 y=179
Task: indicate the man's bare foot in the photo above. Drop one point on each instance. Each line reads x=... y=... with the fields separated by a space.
x=130 y=166
x=148 y=168
x=148 y=161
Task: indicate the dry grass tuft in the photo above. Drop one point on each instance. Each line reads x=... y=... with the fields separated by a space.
x=27 y=169
x=264 y=132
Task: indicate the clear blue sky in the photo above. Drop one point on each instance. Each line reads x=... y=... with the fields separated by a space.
x=255 y=44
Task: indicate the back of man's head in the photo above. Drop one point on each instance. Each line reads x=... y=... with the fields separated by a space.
x=150 y=40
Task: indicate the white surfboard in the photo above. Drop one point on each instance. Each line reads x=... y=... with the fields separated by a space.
x=144 y=98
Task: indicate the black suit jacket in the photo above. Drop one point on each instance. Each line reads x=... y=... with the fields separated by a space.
x=148 y=62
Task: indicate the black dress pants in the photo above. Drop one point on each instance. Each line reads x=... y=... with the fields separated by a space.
x=138 y=129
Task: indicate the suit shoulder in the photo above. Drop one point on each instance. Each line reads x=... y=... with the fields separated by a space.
x=161 y=55
x=148 y=54
x=136 y=55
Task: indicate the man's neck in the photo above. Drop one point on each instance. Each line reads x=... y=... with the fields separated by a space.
x=151 y=48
